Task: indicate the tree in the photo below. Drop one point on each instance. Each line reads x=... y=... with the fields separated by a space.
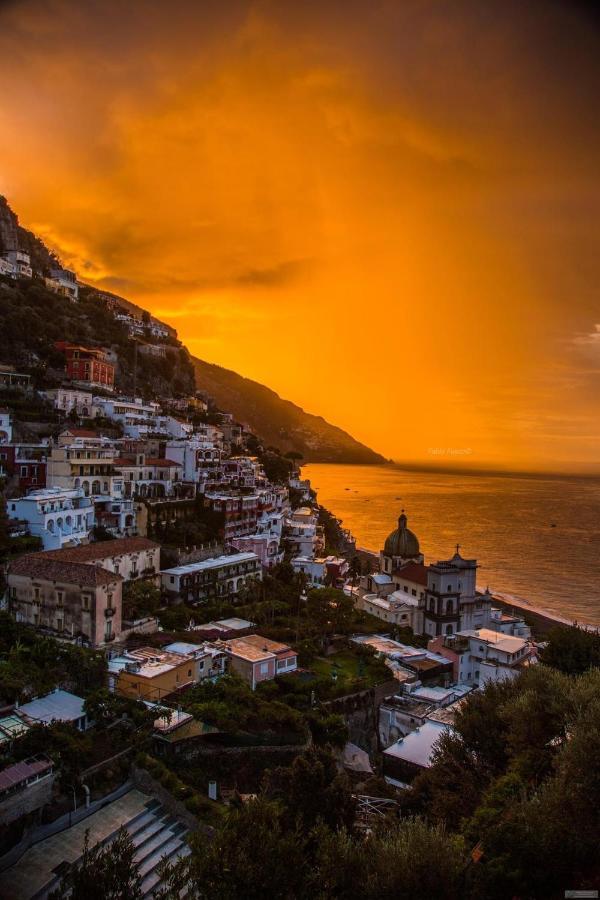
x=104 y=873
x=140 y=598
x=312 y=790
x=251 y=855
x=571 y=649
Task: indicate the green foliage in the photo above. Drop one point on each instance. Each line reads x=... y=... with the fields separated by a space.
x=232 y=706
x=277 y=468
x=520 y=779
x=32 y=665
x=297 y=841
x=572 y=650
x=140 y=598
x=104 y=872
x=312 y=790
x=32 y=318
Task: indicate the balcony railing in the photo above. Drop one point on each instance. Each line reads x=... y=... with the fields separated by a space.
x=109 y=612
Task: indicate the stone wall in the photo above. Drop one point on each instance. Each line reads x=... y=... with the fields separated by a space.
x=27 y=800
x=361 y=713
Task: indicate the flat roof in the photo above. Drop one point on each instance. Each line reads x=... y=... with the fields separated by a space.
x=213 y=563
x=505 y=642
x=255 y=647
x=235 y=623
x=182 y=648
x=59 y=706
x=418 y=746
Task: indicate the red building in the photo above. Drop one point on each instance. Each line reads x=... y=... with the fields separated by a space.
x=26 y=462
x=87 y=364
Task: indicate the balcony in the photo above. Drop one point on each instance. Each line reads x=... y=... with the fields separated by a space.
x=108 y=638
x=109 y=612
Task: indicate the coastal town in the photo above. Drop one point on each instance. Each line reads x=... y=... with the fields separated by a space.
x=161 y=560
x=180 y=617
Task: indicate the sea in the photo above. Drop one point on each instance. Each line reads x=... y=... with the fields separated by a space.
x=536 y=538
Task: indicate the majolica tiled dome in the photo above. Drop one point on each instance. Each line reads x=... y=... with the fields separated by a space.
x=402 y=542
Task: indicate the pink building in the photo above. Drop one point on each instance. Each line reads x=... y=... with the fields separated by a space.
x=265 y=546
x=257 y=659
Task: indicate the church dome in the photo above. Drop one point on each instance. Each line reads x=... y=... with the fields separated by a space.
x=402 y=542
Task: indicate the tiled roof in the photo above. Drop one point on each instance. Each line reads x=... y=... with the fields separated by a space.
x=41 y=565
x=412 y=571
x=89 y=553
x=21 y=771
x=81 y=432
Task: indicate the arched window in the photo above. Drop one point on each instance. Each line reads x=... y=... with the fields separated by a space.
x=50 y=525
x=449 y=607
x=449 y=629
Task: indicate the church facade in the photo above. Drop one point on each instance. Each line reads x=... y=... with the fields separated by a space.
x=439 y=599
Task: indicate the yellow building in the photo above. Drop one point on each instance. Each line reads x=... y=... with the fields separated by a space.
x=152 y=674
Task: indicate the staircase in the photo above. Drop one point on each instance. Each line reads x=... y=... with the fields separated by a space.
x=155 y=835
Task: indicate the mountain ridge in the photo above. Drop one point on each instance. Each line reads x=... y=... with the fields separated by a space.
x=279 y=422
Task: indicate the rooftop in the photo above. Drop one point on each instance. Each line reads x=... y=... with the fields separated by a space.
x=412 y=571
x=254 y=647
x=39 y=565
x=504 y=642
x=214 y=562
x=59 y=706
x=89 y=553
x=418 y=746
x=235 y=623
x=14 y=775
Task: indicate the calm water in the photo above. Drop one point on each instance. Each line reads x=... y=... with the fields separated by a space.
x=503 y=521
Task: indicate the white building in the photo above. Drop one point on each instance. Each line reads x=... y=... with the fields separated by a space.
x=72 y=400
x=136 y=417
x=58 y=516
x=6 y=268
x=200 y=460
x=215 y=578
x=5 y=426
x=65 y=282
x=315 y=570
x=20 y=262
x=482 y=655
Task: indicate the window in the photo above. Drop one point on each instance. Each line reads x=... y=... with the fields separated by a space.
x=85 y=601
x=264 y=668
x=189 y=673
x=36 y=593
x=60 y=597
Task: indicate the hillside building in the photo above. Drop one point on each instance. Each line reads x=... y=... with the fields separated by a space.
x=72 y=601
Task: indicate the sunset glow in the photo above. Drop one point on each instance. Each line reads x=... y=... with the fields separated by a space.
x=406 y=197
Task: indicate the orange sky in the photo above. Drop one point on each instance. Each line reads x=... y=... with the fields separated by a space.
x=388 y=212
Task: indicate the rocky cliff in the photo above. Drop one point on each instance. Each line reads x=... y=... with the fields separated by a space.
x=14 y=237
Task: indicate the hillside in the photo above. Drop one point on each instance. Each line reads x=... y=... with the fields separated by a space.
x=278 y=422
x=32 y=318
